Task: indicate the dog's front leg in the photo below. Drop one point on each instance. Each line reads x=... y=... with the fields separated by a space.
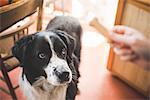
x=71 y=91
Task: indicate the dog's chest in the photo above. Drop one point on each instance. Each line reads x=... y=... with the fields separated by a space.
x=58 y=93
x=42 y=91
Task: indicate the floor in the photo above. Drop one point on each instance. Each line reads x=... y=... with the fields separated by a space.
x=96 y=82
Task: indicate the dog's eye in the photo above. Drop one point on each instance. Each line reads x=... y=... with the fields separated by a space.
x=42 y=55
x=63 y=52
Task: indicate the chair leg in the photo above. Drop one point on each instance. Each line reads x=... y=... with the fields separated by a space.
x=8 y=82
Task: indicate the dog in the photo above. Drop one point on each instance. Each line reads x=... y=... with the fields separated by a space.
x=50 y=60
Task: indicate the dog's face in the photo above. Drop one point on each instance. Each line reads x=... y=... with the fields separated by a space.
x=46 y=54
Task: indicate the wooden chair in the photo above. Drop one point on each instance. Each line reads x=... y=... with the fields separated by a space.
x=10 y=15
x=7 y=61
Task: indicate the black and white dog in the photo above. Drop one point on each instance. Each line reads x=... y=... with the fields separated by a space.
x=50 y=60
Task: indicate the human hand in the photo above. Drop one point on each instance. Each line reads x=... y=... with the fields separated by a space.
x=131 y=45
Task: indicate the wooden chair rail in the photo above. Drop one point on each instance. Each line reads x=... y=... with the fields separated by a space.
x=12 y=32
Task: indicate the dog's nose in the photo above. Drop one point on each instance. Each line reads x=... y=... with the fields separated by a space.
x=63 y=76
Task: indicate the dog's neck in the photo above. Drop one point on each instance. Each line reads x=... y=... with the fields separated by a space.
x=45 y=89
x=42 y=90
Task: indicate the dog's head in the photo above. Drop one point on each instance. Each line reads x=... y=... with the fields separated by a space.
x=46 y=54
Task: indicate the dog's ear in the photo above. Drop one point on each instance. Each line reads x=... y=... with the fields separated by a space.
x=68 y=40
x=18 y=50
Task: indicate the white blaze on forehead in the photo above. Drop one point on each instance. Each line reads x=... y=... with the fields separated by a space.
x=43 y=33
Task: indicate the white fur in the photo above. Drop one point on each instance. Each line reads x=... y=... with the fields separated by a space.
x=48 y=91
x=61 y=65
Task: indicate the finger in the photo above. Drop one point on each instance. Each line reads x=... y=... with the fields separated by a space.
x=128 y=57
x=117 y=51
x=115 y=45
x=120 y=39
x=119 y=45
x=123 y=51
x=119 y=29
